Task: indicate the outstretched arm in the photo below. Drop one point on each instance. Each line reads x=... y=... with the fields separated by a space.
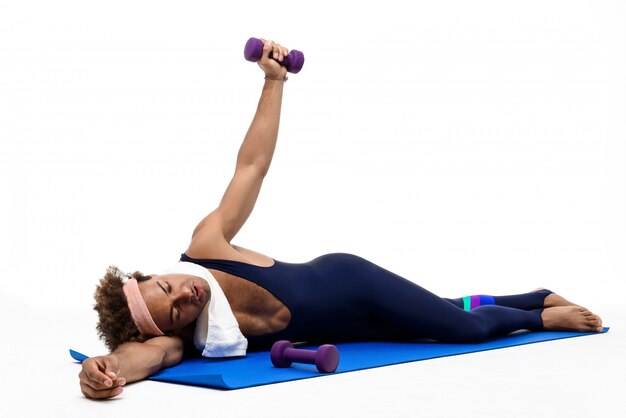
x=103 y=376
x=253 y=160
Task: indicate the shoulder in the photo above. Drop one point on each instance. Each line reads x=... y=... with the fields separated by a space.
x=207 y=240
x=206 y=243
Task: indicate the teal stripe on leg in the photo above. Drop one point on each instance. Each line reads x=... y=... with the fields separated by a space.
x=467 y=303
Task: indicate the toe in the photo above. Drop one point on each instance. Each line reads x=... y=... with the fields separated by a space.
x=595 y=325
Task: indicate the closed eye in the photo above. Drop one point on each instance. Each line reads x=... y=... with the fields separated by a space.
x=173 y=307
x=167 y=292
x=163 y=287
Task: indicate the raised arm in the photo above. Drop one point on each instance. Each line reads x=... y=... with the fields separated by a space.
x=103 y=376
x=253 y=160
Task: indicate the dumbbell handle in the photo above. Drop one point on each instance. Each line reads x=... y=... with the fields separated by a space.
x=300 y=356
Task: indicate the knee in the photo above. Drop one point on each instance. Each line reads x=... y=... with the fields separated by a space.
x=477 y=335
x=473 y=333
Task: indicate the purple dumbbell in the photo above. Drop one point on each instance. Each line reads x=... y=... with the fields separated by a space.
x=326 y=357
x=254 y=49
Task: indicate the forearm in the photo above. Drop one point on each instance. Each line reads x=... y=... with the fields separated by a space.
x=259 y=143
x=139 y=360
x=103 y=376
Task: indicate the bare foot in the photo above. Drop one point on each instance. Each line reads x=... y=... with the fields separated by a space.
x=554 y=300
x=570 y=318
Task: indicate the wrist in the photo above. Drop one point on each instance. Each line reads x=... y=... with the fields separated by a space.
x=283 y=79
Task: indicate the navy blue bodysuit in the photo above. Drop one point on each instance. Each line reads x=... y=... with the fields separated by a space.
x=342 y=297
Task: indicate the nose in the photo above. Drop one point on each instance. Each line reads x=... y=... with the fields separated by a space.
x=183 y=295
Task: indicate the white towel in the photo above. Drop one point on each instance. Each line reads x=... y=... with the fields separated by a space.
x=217 y=332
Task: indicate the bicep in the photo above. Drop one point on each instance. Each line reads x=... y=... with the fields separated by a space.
x=236 y=204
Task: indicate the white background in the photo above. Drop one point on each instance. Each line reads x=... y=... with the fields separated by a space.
x=472 y=147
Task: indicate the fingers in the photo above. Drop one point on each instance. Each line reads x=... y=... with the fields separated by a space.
x=92 y=371
x=272 y=59
x=98 y=380
x=90 y=392
x=100 y=384
x=109 y=370
x=96 y=390
x=278 y=52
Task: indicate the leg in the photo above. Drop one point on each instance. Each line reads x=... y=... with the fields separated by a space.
x=429 y=315
x=407 y=308
x=525 y=301
x=559 y=313
x=394 y=303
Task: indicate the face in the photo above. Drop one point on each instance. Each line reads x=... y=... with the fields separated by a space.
x=175 y=300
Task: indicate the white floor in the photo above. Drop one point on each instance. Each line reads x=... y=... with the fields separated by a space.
x=473 y=147
x=580 y=377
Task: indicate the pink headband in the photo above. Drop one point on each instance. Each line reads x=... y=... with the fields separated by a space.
x=138 y=309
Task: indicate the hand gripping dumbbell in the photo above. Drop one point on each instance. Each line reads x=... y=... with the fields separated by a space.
x=326 y=357
x=254 y=50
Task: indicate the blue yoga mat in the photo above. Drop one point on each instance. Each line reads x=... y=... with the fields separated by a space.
x=256 y=368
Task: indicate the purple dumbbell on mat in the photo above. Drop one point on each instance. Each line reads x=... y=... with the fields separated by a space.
x=326 y=357
x=254 y=49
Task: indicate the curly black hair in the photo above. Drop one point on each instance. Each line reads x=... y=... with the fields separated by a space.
x=115 y=324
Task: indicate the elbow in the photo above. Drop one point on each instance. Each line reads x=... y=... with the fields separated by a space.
x=172 y=357
x=164 y=353
x=263 y=168
x=152 y=359
x=259 y=166
x=155 y=360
